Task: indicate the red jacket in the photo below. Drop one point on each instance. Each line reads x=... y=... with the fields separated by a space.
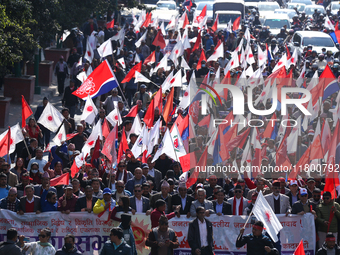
x=156 y=214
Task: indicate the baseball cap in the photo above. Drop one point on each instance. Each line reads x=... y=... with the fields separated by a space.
x=107 y=191
x=293 y=182
x=303 y=191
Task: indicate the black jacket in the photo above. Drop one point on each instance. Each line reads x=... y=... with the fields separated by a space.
x=226 y=209
x=290 y=198
x=69 y=99
x=194 y=239
x=323 y=250
x=255 y=245
x=176 y=200
x=298 y=207
x=63 y=251
x=81 y=203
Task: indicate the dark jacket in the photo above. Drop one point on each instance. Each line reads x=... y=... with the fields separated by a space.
x=255 y=245
x=146 y=203
x=226 y=208
x=81 y=203
x=84 y=183
x=10 y=247
x=298 y=207
x=22 y=206
x=152 y=241
x=69 y=99
x=130 y=185
x=64 y=157
x=157 y=196
x=290 y=198
x=122 y=249
x=3 y=204
x=176 y=200
x=323 y=250
x=194 y=239
x=63 y=251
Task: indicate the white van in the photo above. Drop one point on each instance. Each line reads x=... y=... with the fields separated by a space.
x=225 y=16
x=229 y=5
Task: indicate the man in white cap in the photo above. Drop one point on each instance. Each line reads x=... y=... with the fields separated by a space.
x=164 y=194
x=183 y=199
x=293 y=194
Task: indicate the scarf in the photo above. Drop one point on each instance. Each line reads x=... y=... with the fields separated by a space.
x=44 y=244
x=239 y=208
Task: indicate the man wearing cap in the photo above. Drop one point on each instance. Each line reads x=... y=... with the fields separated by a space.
x=164 y=195
x=129 y=238
x=107 y=203
x=310 y=186
x=61 y=71
x=201 y=201
x=154 y=173
x=304 y=205
x=293 y=194
x=277 y=201
x=142 y=95
x=200 y=234
x=11 y=202
x=328 y=213
x=110 y=101
x=87 y=202
x=145 y=168
x=138 y=178
x=29 y=203
x=183 y=199
x=116 y=245
x=162 y=239
x=139 y=203
x=329 y=246
x=257 y=243
x=238 y=202
x=67 y=203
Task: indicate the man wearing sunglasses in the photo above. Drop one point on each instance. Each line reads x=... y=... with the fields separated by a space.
x=120 y=191
x=139 y=203
x=316 y=199
x=238 y=202
x=304 y=205
x=327 y=217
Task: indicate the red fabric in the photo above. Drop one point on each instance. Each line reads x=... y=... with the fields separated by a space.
x=151 y=58
x=159 y=40
x=105 y=128
x=188 y=161
x=168 y=106
x=250 y=183
x=202 y=57
x=29 y=207
x=147 y=20
x=240 y=208
x=110 y=24
x=214 y=27
x=60 y=180
x=30 y=131
x=236 y=23
x=25 y=111
x=300 y=250
x=5 y=143
x=133 y=112
x=123 y=146
x=158 y=100
x=198 y=42
x=156 y=214
x=96 y=152
x=131 y=73
x=74 y=169
x=150 y=114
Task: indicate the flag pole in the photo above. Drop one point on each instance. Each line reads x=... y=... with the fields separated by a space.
x=29 y=154
x=124 y=97
x=8 y=144
x=250 y=214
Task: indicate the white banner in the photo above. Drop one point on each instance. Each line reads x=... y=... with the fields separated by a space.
x=227 y=228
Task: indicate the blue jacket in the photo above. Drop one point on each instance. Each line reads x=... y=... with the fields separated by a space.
x=47 y=206
x=208 y=43
x=122 y=249
x=130 y=185
x=3 y=204
x=132 y=240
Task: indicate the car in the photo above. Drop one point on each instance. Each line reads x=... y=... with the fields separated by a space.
x=318 y=40
x=334 y=7
x=306 y=2
x=199 y=8
x=252 y=4
x=291 y=13
x=300 y=7
x=165 y=10
x=309 y=10
x=267 y=8
x=276 y=21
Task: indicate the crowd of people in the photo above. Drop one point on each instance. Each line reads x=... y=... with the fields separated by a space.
x=137 y=184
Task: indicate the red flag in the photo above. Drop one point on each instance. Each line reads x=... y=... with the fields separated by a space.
x=110 y=24
x=202 y=57
x=299 y=250
x=25 y=111
x=214 y=27
x=159 y=40
x=168 y=105
x=188 y=161
x=60 y=180
x=158 y=100
x=109 y=148
x=186 y=20
x=151 y=58
x=336 y=26
x=131 y=73
x=133 y=112
x=5 y=143
x=74 y=169
x=238 y=141
x=236 y=23
x=70 y=136
x=288 y=53
x=150 y=114
x=281 y=153
x=270 y=127
x=300 y=164
x=198 y=42
x=96 y=151
x=177 y=122
x=105 y=128
x=201 y=163
x=147 y=20
x=316 y=149
x=205 y=121
x=123 y=146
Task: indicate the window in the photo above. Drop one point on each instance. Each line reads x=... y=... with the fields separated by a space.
x=297 y=38
x=276 y=23
x=169 y=6
x=318 y=41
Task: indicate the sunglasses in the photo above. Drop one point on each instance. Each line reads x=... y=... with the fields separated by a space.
x=238 y=191
x=120 y=186
x=122 y=166
x=326 y=198
x=316 y=196
x=42 y=236
x=138 y=190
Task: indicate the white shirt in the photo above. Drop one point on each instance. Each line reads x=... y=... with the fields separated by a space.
x=152 y=172
x=139 y=205
x=113 y=186
x=30 y=201
x=276 y=197
x=203 y=233
x=238 y=201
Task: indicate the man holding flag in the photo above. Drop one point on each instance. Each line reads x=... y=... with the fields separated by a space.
x=257 y=243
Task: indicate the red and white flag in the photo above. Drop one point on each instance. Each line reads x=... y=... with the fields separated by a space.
x=141 y=78
x=122 y=62
x=263 y=212
x=114 y=117
x=96 y=132
x=16 y=136
x=141 y=143
x=60 y=136
x=177 y=52
x=90 y=111
x=191 y=90
x=89 y=52
x=233 y=62
x=166 y=147
x=301 y=79
x=282 y=62
x=109 y=148
x=51 y=118
x=328 y=24
x=216 y=23
x=262 y=57
x=218 y=53
x=105 y=49
x=172 y=24
x=177 y=142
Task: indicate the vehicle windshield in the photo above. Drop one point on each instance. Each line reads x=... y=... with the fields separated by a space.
x=306 y=2
x=300 y=7
x=224 y=18
x=335 y=6
x=318 y=42
x=290 y=14
x=268 y=7
x=276 y=23
x=201 y=6
x=310 y=10
x=169 y=6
